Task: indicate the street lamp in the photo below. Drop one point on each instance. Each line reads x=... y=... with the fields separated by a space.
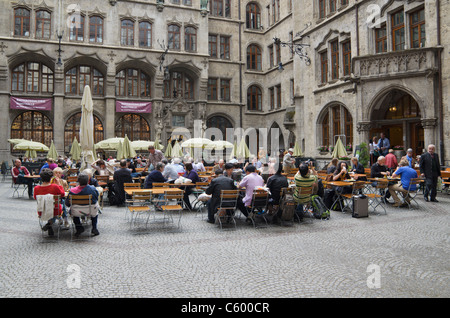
x=297 y=48
x=59 y=35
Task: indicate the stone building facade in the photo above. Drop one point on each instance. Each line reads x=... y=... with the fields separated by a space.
x=376 y=65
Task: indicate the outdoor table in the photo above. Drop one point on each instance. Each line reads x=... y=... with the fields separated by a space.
x=154 y=191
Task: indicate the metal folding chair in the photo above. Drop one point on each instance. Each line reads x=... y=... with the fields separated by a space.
x=140 y=204
x=258 y=207
x=307 y=206
x=58 y=220
x=227 y=207
x=376 y=198
x=76 y=201
x=173 y=204
x=412 y=194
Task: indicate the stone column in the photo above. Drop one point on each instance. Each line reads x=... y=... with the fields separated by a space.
x=59 y=118
x=110 y=98
x=4 y=106
x=429 y=132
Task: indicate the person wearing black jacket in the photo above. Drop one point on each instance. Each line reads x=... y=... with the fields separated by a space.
x=219 y=183
x=379 y=170
x=275 y=183
x=430 y=169
x=121 y=176
x=155 y=176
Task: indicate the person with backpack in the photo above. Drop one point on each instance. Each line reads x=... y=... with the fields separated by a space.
x=305 y=178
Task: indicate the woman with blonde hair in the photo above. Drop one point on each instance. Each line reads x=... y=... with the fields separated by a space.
x=57 y=179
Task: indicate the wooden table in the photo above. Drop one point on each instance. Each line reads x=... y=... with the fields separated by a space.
x=151 y=191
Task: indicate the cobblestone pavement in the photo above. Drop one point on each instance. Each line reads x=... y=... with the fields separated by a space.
x=341 y=257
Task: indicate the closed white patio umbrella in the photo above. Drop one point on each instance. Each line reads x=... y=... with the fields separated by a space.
x=87 y=129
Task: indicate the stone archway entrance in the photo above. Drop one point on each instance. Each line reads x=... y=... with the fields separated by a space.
x=398 y=115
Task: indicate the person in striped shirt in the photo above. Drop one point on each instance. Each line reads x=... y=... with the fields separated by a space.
x=306 y=177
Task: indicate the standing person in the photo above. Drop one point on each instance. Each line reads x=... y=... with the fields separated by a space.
x=374 y=151
x=331 y=168
x=430 y=169
x=154 y=156
x=18 y=176
x=288 y=161
x=383 y=144
x=121 y=176
x=48 y=188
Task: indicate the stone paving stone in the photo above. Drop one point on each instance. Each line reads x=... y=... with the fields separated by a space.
x=320 y=259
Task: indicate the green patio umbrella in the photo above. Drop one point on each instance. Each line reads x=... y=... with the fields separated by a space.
x=31 y=145
x=31 y=154
x=177 y=152
x=127 y=149
x=168 y=153
x=242 y=150
x=119 y=155
x=157 y=145
x=339 y=150
x=297 y=151
x=75 y=150
x=15 y=141
x=109 y=144
x=234 y=150
x=52 y=153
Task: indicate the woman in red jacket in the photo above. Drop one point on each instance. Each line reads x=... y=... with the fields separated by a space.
x=48 y=188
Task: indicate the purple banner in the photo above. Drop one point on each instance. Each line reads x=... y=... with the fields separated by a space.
x=31 y=104
x=133 y=107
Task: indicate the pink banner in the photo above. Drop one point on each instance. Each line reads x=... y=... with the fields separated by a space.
x=133 y=107
x=31 y=104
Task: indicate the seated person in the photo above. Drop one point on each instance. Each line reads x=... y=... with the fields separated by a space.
x=250 y=182
x=275 y=183
x=406 y=173
x=219 y=183
x=358 y=168
x=18 y=176
x=101 y=168
x=48 y=188
x=58 y=180
x=193 y=176
x=379 y=170
x=307 y=177
x=170 y=172
x=155 y=176
x=84 y=189
x=228 y=172
x=340 y=174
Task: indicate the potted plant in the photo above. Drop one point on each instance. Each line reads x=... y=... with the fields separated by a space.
x=399 y=151
x=364 y=156
x=323 y=150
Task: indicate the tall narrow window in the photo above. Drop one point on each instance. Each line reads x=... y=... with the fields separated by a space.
x=253 y=16
x=76 y=30
x=212 y=43
x=334 y=60
x=22 y=22
x=398 y=31
x=278 y=87
x=324 y=67
x=212 y=89
x=254 y=58
x=322 y=9
x=271 y=56
x=381 y=39
x=225 y=47
x=127 y=32
x=96 y=29
x=145 y=34
x=132 y=82
x=216 y=8
x=347 y=57
x=272 y=98
x=174 y=37
x=79 y=76
x=332 y=6
x=417 y=28
x=43 y=24
x=225 y=90
x=190 y=39
x=254 y=98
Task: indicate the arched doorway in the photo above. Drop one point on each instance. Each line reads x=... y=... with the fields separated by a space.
x=220 y=122
x=398 y=115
